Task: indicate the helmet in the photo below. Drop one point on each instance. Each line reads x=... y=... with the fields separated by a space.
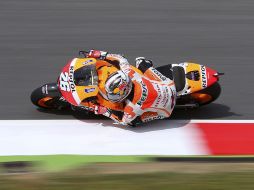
x=118 y=86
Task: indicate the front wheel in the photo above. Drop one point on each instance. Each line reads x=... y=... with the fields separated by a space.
x=48 y=97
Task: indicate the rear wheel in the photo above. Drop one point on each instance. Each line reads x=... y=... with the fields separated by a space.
x=207 y=95
x=48 y=97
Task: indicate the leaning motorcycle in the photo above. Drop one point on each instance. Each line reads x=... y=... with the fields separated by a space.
x=196 y=85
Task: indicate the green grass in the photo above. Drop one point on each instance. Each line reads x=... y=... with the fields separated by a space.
x=86 y=177
x=63 y=162
x=54 y=163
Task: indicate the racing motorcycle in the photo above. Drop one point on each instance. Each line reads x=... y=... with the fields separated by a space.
x=196 y=85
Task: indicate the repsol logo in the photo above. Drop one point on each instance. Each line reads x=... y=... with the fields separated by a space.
x=161 y=76
x=203 y=76
x=144 y=94
x=166 y=97
x=152 y=118
x=159 y=96
x=71 y=79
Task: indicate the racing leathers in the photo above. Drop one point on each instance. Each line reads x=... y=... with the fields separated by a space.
x=153 y=96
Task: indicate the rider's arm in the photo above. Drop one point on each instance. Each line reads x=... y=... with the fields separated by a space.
x=115 y=59
x=149 y=116
x=134 y=114
x=102 y=110
x=146 y=67
x=139 y=119
x=130 y=116
x=122 y=63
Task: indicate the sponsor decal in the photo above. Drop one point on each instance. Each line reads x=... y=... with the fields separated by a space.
x=71 y=79
x=158 y=100
x=45 y=89
x=203 y=76
x=89 y=90
x=87 y=61
x=161 y=76
x=165 y=97
x=172 y=99
x=86 y=108
x=144 y=94
x=147 y=119
x=62 y=99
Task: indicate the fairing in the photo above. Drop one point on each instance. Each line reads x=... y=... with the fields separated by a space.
x=77 y=88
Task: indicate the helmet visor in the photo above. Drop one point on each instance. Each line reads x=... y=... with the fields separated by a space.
x=86 y=76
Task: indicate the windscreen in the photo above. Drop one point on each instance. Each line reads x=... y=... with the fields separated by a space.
x=86 y=76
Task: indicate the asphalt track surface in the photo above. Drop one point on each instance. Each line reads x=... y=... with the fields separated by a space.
x=38 y=37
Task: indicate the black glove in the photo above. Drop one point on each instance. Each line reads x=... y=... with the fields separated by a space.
x=143 y=64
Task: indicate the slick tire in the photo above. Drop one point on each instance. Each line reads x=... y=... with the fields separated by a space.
x=47 y=97
x=208 y=95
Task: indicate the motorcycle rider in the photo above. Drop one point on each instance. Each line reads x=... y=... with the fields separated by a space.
x=143 y=92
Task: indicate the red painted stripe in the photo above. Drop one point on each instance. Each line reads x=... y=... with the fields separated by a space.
x=229 y=138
